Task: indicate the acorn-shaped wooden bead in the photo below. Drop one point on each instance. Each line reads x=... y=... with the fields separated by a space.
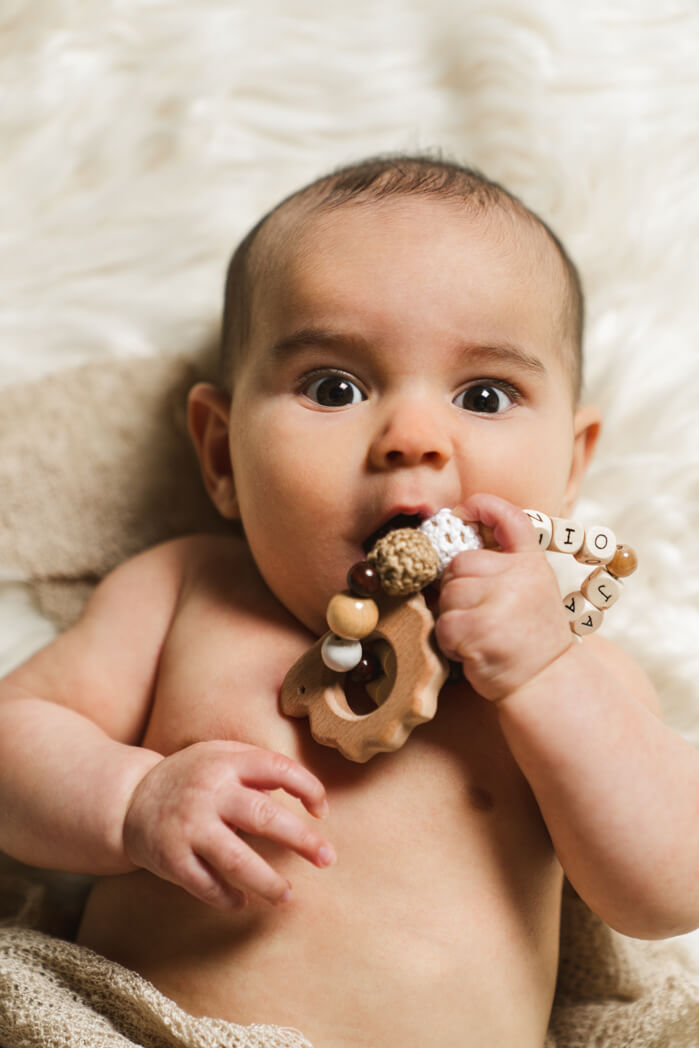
x=352 y=617
x=623 y=563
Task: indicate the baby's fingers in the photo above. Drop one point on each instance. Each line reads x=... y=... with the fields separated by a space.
x=511 y=528
x=267 y=770
x=257 y=814
x=225 y=869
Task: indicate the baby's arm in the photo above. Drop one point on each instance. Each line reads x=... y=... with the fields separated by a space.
x=618 y=790
x=71 y=768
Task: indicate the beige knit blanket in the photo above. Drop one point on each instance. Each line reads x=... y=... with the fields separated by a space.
x=94 y=465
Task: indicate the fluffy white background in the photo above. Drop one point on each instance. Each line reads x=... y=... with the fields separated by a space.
x=141 y=138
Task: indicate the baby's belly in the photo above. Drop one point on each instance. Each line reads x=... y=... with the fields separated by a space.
x=437 y=926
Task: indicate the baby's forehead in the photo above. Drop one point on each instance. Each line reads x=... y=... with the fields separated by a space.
x=299 y=230
x=296 y=237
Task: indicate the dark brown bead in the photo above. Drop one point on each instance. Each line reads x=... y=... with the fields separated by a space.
x=366 y=670
x=363 y=579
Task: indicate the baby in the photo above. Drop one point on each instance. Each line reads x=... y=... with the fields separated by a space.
x=399 y=336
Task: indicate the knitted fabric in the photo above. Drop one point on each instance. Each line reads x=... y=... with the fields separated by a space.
x=54 y=994
x=405 y=560
x=450 y=535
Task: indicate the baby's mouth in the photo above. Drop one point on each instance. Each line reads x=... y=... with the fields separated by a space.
x=400 y=520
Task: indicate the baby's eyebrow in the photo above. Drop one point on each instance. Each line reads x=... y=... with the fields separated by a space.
x=314 y=336
x=482 y=354
x=502 y=353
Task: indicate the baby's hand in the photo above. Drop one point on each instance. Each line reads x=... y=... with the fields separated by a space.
x=183 y=816
x=501 y=613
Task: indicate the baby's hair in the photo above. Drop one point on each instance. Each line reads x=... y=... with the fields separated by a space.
x=372 y=180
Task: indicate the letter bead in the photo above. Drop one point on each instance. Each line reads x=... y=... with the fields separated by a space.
x=567 y=536
x=339 y=654
x=588 y=619
x=573 y=604
x=352 y=617
x=602 y=589
x=543 y=526
x=599 y=546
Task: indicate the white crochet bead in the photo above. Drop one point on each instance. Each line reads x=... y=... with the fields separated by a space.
x=339 y=654
x=450 y=535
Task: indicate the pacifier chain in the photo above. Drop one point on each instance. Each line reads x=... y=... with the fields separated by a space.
x=399 y=664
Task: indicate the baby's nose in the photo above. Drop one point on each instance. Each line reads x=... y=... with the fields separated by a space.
x=411 y=436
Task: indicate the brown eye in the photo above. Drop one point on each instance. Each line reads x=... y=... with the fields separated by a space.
x=484 y=399
x=334 y=391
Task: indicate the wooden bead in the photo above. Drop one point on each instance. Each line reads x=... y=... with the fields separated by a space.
x=567 y=536
x=352 y=617
x=339 y=654
x=623 y=563
x=363 y=579
x=599 y=546
x=586 y=618
x=602 y=589
x=573 y=604
x=543 y=526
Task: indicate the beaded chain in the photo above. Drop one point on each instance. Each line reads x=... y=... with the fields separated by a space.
x=407 y=560
x=400 y=668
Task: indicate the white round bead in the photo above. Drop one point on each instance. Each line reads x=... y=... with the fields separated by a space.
x=339 y=654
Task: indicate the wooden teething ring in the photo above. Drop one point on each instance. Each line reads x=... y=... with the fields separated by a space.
x=312 y=689
x=404 y=562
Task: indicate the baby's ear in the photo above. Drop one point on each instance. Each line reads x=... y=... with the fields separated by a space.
x=208 y=411
x=587 y=426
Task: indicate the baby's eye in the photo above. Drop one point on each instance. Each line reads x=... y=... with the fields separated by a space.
x=485 y=398
x=333 y=391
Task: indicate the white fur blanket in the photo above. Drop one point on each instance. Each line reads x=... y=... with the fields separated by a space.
x=139 y=141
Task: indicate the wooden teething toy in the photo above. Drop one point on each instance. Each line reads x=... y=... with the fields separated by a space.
x=385 y=609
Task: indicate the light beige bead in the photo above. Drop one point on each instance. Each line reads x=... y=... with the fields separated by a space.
x=573 y=604
x=599 y=546
x=588 y=619
x=352 y=617
x=543 y=526
x=602 y=589
x=567 y=536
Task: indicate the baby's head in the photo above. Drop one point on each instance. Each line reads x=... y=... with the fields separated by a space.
x=374 y=182
x=397 y=336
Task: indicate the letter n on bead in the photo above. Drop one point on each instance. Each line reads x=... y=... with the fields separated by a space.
x=543 y=526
